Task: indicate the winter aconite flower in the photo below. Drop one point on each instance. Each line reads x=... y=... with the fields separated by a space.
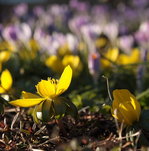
x=6 y=81
x=109 y=57
x=46 y=89
x=4 y=56
x=48 y=104
x=74 y=62
x=125 y=107
x=133 y=58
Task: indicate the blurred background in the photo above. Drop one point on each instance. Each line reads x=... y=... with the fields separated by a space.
x=38 y=38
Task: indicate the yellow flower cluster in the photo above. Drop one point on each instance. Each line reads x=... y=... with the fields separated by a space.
x=113 y=56
x=57 y=64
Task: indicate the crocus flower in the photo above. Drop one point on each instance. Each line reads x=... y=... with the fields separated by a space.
x=10 y=33
x=142 y=34
x=126 y=42
x=125 y=107
x=21 y=9
x=47 y=90
x=93 y=63
x=6 y=81
x=16 y=32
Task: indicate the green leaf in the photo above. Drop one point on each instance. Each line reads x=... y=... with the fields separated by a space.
x=3 y=101
x=143 y=98
x=36 y=109
x=71 y=109
x=59 y=107
x=1 y=108
x=144 y=120
x=143 y=141
x=47 y=111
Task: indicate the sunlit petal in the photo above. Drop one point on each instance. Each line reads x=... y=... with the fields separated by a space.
x=27 y=95
x=6 y=80
x=64 y=81
x=136 y=107
x=46 y=88
x=26 y=102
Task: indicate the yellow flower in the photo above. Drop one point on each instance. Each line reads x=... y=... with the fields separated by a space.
x=6 y=81
x=33 y=45
x=101 y=42
x=125 y=107
x=4 y=56
x=64 y=50
x=55 y=63
x=74 y=62
x=110 y=56
x=133 y=58
x=5 y=45
x=47 y=89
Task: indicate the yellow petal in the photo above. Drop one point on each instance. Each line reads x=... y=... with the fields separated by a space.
x=127 y=113
x=27 y=102
x=136 y=107
x=4 y=56
x=74 y=62
x=46 y=88
x=122 y=95
x=116 y=114
x=110 y=55
x=134 y=57
x=27 y=95
x=6 y=80
x=64 y=81
x=54 y=62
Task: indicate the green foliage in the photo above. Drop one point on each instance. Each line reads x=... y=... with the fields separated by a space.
x=53 y=109
x=143 y=98
x=144 y=120
x=3 y=102
x=47 y=111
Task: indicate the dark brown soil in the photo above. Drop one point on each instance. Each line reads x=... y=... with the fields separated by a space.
x=91 y=131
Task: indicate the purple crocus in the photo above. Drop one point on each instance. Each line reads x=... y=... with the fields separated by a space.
x=38 y=11
x=79 y=6
x=16 y=32
x=142 y=35
x=94 y=65
x=126 y=42
x=21 y=9
x=10 y=33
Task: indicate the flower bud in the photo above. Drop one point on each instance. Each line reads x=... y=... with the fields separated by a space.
x=125 y=107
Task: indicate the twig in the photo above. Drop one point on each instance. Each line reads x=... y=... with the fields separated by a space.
x=83 y=109
x=14 y=120
x=52 y=140
x=12 y=110
x=135 y=134
x=40 y=130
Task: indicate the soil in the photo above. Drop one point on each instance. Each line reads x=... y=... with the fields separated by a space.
x=90 y=132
